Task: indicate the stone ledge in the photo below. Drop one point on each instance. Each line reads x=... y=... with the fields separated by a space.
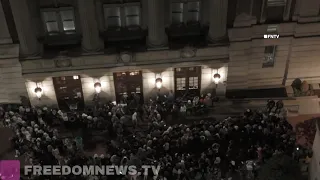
x=102 y=69
x=9 y=51
x=284 y=29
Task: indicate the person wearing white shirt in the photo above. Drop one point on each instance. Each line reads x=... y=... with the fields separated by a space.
x=134 y=119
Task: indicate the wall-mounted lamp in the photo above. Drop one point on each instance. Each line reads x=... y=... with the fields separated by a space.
x=97 y=87
x=216 y=78
x=38 y=92
x=159 y=83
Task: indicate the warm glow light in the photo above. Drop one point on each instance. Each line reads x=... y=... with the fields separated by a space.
x=38 y=92
x=216 y=78
x=75 y=77
x=159 y=83
x=97 y=87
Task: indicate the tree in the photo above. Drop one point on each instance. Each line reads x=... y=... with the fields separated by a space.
x=280 y=167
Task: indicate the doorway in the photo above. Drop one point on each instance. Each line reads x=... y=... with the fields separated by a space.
x=187 y=82
x=128 y=85
x=69 y=92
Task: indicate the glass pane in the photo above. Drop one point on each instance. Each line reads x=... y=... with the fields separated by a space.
x=132 y=20
x=269 y=49
x=114 y=22
x=111 y=12
x=112 y=16
x=193 y=16
x=177 y=13
x=194 y=6
x=177 y=18
x=66 y=15
x=68 y=26
x=269 y=56
x=132 y=14
x=276 y=2
x=132 y=10
x=49 y=16
x=52 y=27
x=193 y=11
x=177 y=7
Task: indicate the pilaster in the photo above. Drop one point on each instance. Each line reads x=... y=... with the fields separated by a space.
x=91 y=41
x=156 y=30
x=218 y=19
x=29 y=44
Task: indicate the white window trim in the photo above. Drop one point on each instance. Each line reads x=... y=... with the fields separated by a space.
x=122 y=13
x=59 y=19
x=185 y=11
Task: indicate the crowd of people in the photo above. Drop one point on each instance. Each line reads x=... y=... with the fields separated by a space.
x=200 y=150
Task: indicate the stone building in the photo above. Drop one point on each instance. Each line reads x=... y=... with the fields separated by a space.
x=66 y=47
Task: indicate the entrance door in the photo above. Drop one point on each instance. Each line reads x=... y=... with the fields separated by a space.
x=69 y=92
x=127 y=85
x=187 y=82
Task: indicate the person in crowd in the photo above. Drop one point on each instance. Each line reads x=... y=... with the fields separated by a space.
x=198 y=150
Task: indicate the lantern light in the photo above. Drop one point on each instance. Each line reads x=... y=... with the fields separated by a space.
x=159 y=83
x=38 y=92
x=216 y=78
x=97 y=87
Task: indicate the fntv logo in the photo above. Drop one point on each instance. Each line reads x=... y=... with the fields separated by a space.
x=267 y=36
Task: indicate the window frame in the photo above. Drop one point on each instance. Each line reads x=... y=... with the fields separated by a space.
x=187 y=74
x=59 y=20
x=122 y=7
x=185 y=18
x=286 y=9
x=265 y=63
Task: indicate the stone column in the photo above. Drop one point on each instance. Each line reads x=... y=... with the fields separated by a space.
x=91 y=41
x=5 y=37
x=218 y=19
x=29 y=44
x=156 y=31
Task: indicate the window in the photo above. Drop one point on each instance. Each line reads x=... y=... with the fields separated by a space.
x=135 y=73
x=132 y=15
x=75 y=77
x=122 y=15
x=187 y=81
x=181 y=84
x=269 y=56
x=112 y=16
x=276 y=3
x=177 y=13
x=67 y=19
x=59 y=20
x=193 y=12
x=187 y=12
x=193 y=82
x=275 y=10
x=272 y=29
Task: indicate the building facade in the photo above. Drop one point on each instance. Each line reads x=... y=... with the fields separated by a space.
x=66 y=47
